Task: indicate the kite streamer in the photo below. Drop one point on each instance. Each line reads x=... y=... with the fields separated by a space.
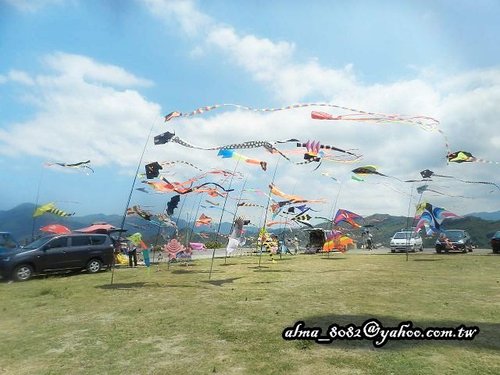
x=171 y=137
x=428 y=174
x=423 y=121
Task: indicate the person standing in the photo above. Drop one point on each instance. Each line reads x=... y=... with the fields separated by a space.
x=132 y=255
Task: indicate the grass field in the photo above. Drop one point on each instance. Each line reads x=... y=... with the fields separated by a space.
x=176 y=321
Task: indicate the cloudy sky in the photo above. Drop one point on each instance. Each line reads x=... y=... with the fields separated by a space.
x=92 y=80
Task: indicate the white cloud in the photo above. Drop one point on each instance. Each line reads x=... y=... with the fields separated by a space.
x=465 y=104
x=20 y=77
x=80 y=115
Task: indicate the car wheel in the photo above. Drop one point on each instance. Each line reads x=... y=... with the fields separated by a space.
x=421 y=248
x=94 y=265
x=393 y=251
x=438 y=251
x=23 y=272
x=470 y=249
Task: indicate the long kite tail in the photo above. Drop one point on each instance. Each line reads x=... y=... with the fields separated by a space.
x=429 y=121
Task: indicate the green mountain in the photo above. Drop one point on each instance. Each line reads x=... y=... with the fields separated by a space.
x=19 y=222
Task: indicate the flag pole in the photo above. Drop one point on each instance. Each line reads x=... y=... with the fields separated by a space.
x=130 y=197
x=267 y=209
x=221 y=216
x=234 y=216
x=36 y=206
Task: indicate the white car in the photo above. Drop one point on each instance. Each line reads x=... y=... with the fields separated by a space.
x=406 y=241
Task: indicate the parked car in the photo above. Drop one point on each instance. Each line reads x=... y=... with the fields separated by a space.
x=57 y=253
x=406 y=241
x=495 y=242
x=459 y=239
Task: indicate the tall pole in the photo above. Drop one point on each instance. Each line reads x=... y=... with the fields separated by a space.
x=36 y=206
x=130 y=197
x=234 y=216
x=267 y=209
x=220 y=220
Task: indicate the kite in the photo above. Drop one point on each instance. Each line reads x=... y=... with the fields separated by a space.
x=466 y=157
x=249 y=204
x=427 y=174
x=164 y=219
x=137 y=210
x=212 y=203
x=347 y=216
x=172 y=204
x=423 y=121
x=293 y=198
x=226 y=153
x=172 y=248
x=50 y=208
x=236 y=238
x=432 y=216
x=169 y=163
x=424 y=188
x=171 y=137
x=153 y=170
x=303 y=219
x=203 y=220
x=79 y=165
x=314 y=153
x=136 y=239
x=368 y=169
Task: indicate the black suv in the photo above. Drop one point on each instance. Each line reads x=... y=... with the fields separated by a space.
x=460 y=241
x=57 y=253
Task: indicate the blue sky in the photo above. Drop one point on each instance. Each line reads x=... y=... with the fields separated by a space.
x=86 y=80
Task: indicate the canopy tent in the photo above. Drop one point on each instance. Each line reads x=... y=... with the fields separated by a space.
x=55 y=229
x=104 y=228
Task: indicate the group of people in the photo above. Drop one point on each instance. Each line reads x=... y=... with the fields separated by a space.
x=131 y=251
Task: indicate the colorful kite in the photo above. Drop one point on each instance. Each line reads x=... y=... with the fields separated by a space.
x=432 y=217
x=314 y=151
x=466 y=157
x=50 y=208
x=203 y=220
x=293 y=198
x=80 y=165
x=136 y=239
x=172 y=248
x=226 y=153
x=348 y=217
